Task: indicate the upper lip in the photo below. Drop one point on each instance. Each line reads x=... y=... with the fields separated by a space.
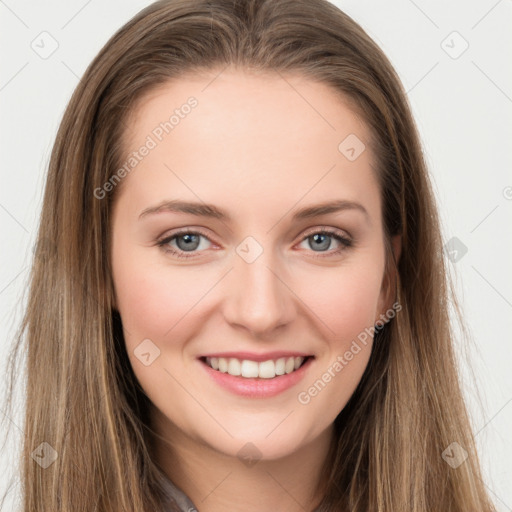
x=257 y=357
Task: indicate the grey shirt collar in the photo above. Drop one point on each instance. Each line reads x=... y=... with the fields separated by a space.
x=183 y=501
x=176 y=494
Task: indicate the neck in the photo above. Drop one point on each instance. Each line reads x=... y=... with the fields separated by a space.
x=217 y=482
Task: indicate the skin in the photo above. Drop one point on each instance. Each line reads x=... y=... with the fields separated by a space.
x=258 y=149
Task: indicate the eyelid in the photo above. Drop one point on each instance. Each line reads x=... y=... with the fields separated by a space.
x=326 y=229
x=181 y=231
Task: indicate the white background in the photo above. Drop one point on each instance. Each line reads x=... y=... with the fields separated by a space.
x=463 y=107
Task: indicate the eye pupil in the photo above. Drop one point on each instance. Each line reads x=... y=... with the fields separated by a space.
x=190 y=241
x=326 y=238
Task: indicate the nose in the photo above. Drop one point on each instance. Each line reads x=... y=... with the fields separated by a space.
x=258 y=297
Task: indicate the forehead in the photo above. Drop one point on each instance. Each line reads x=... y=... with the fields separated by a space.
x=242 y=102
x=249 y=135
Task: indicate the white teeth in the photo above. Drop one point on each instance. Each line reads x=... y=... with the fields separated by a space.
x=280 y=364
x=223 y=364
x=234 y=367
x=290 y=365
x=249 y=368
x=252 y=369
x=267 y=369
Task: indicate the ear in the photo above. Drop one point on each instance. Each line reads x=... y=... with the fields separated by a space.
x=389 y=280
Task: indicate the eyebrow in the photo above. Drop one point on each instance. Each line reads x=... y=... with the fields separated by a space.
x=212 y=211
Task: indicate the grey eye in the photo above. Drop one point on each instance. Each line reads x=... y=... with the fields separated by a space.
x=190 y=241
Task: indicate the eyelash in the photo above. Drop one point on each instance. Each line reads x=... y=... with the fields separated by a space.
x=345 y=242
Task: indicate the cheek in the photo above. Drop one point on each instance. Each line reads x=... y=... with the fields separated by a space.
x=152 y=300
x=344 y=300
x=345 y=303
x=157 y=304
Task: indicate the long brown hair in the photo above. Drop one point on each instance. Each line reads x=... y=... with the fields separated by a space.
x=82 y=397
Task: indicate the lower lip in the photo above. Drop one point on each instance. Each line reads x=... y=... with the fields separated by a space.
x=257 y=387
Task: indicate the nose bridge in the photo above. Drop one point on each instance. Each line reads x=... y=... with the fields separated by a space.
x=260 y=301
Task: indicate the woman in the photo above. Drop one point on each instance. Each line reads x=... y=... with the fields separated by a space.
x=239 y=369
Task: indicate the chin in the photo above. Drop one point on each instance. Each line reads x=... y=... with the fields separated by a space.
x=257 y=443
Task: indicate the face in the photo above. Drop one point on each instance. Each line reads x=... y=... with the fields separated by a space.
x=252 y=275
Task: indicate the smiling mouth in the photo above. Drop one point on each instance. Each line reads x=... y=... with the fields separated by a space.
x=248 y=369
